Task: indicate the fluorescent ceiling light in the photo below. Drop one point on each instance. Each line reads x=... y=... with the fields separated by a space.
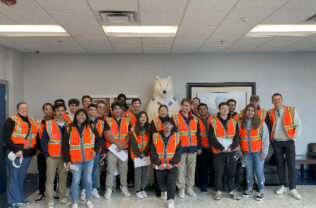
x=32 y=30
x=282 y=30
x=140 y=31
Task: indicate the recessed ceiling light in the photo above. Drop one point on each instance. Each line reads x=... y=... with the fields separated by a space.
x=140 y=31
x=282 y=30
x=32 y=30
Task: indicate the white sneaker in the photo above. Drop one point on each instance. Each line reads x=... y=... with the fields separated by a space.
x=74 y=205
x=89 y=204
x=191 y=193
x=50 y=205
x=125 y=191
x=139 y=195
x=83 y=195
x=95 y=194
x=295 y=194
x=164 y=195
x=280 y=190
x=144 y=194
x=108 y=193
x=218 y=195
x=181 y=193
x=64 y=201
x=67 y=192
x=170 y=203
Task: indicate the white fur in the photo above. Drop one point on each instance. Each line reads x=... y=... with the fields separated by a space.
x=163 y=93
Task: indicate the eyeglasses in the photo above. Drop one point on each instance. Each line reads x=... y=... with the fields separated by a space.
x=48 y=109
x=82 y=115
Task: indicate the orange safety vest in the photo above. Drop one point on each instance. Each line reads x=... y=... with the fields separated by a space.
x=204 y=131
x=22 y=134
x=255 y=139
x=54 y=138
x=236 y=117
x=119 y=134
x=142 y=141
x=166 y=153
x=67 y=118
x=99 y=127
x=288 y=121
x=220 y=133
x=40 y=127
x=132 y=118
x=158 y=124
x=187 y=133
x=81 y=146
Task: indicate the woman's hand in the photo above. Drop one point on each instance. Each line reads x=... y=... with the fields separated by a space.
x=93 y=154
x=19 y=154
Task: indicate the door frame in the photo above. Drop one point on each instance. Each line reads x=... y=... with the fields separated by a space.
x=6 y=83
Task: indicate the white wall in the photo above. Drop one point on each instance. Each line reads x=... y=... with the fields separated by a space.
x=11 y=71
x=51 y=76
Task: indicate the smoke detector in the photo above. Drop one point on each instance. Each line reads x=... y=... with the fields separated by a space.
x=118 y=17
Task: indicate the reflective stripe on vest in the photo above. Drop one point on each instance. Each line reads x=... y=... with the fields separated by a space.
x=158 y=124
x=54 y=138
x=132 y=118
x=166 y=152
x=225 y=137
x=262 y=113
x=118 y=134
x=187 y=133
x=22 y=134
x=287 y=121
x=141 y=140
x=204 y=131
x=254 y=142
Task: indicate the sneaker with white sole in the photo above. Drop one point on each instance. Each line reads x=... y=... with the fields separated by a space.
x=164 y=195
x=181 y=193
x=83 y=195
x=108 y=193
x=125 y=191
x=280 y=190
x=295 y=194
x=74 y=205
x=39 y=198
x=144 y=194
x=50 y=205
x=191 y=193
x=89 y=204
x=218 y=195
x=170 y=203
x=65 y=201
x=247 y=193
x=139 y=195
x=259 y=196
x=95 y=194
x=67 y=192
x=233 y=195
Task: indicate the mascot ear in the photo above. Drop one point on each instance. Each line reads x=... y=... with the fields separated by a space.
x=157 y=78
x=169 y=78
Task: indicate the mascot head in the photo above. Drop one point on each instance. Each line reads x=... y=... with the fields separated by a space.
x=163 y=86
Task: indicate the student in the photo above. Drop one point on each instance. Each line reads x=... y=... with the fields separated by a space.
x=204 y=158
x=51 y=140
x=189 y=129
x=79 y=147
x=232 y=107
x=262 y=113
x=195 y=103
x=224 y=140
x=254 y=144
x=86 y=100
x=116 y=132
x=140 y=147
x=59 y=101
x=19 y=146
x=73 y=105
x=286 y=128
x=101 y=106
x=166 y=156
x=134 y=111
x=41 y=160
x=121 y=99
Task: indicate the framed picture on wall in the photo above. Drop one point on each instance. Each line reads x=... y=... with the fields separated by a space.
x=213 y=94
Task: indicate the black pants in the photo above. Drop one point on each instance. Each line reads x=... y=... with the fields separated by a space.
x=286 y=148
x=41 y=167
x=222 y=160
x=167 y=181
x=131 y=171
x=156 y=185
x=203 y=164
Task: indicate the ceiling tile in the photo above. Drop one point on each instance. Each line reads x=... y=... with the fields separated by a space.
x=278 y=43
x=74 y=17
x=156 y=49
x=78 y=30
x=259 y=4
x=160 y=18
x=120 y=5
x=202 y=5
x=163 y=5
x=64 y=44
x=289 y=17
x=203 y=18
x=63 y=4
x=195 y=31
x=4 y=20
x=30 y=17
x=21 y=5
x=300 y=5
x=247 y=44
x=95 y=45
x=155 y=42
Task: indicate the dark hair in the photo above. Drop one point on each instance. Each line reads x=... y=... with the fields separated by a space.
x=256 y=121
x=222 y=104
x=231 y=100
x=138 y=126
x=121 y=96
x=59 y=101
x=163 y=106
x=46 y=104
x=167 y=119
x=116 y=104
x=202 y=104
x=185 y=100
x=73 y=101
x=276 y=94
x=86 y=96
x=196 y=98
x=92 y=105
x=81 y=110
x=58 y=105
x=20 y=103
x=101 y=102
x=135 y=100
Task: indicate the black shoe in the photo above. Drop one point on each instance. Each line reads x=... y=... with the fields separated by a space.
x=39 y=198
x=203 y=189
x=259 y=196
x=13 y=206
x=247 y=193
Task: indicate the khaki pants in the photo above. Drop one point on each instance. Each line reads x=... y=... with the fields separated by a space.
x=52 y=165
x=122 y=168
x=186 y=172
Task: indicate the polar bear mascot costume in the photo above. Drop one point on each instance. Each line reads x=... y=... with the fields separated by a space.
x=163 y=94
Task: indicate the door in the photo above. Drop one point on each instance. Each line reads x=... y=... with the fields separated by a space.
x=2 y=120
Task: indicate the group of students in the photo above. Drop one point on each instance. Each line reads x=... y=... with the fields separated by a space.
x=77 y=141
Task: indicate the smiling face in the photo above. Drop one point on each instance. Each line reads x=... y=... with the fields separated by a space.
x=277 y=101
x=223 y=110
x=101 y=108
x=81 y=118
x=48 y=111
x=92 y=112
x=254 y=102
x=163 y=112
x=203 y=111
x=232 y=106
x=186 y=107
x=60 y=112
x=23 y=110
x=86 y=102
x=73 y=108
x=143 y=119
x=250 y=112
x=136 y=107
x=117 y=111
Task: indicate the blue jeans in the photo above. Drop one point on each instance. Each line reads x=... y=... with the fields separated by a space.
x=15 y=181
x=254 y=164
x=84 y=170
x=95 y=171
